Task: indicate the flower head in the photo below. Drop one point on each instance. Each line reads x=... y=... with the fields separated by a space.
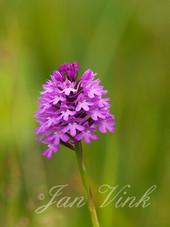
x=72 y=109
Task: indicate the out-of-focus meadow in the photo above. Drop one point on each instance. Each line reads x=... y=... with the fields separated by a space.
x=127 y=44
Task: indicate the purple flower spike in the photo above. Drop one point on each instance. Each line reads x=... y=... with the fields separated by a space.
x=76 y=66
x=63 y=69
x=70 y=70
x=71 y=110
x=71 y=73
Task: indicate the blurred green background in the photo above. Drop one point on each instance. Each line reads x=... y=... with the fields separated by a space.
x=127 y=44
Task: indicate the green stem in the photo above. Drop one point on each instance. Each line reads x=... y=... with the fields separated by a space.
x=79 y=155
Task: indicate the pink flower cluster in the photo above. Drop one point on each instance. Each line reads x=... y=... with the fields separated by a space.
x=71 y=109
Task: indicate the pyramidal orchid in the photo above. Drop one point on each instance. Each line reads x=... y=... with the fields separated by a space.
x=71 y=109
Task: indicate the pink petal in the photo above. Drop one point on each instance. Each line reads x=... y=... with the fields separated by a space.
x=102 y=128
x=66 y=128
x=94 y=137
x=80 y=127
x=64 y=137
x=49 y=154
x=79 y=136
x=87 y=139
x=72 y=130
x=57 y=139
